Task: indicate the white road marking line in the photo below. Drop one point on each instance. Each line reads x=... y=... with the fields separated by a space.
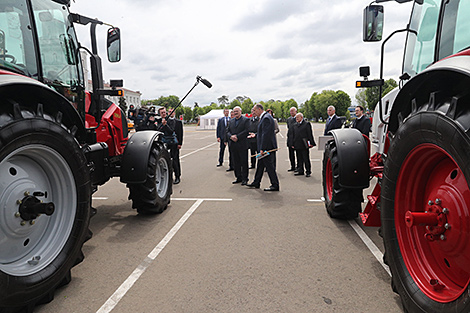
x=112 y=301
x=195 y=199
x=314 y=200
x=370 y=244
x=99 y=198
x=200 y=149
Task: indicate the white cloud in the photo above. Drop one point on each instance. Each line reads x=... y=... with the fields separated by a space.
x=271 y=49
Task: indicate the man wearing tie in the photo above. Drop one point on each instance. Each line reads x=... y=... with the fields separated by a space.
x=222 y=135
x=361 y=123
x=333 y=122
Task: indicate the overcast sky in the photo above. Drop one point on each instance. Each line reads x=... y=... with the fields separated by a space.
x=263 y=49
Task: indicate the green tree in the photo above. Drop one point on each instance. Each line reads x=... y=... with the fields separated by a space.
x=234 y=103
x=188 y=114
x=372 y=94
x=246 y=106
x=223 y=101
x=361 y=97
x=339 y=99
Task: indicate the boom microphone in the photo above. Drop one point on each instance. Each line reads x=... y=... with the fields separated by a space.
x=204 y=81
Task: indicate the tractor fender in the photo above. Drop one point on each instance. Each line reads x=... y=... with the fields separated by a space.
x=450 y=76
x=29 y=93
x=353 y=158
x=134 y=162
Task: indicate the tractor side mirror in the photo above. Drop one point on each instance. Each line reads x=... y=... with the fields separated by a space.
x=373 y=22
x=114 y=44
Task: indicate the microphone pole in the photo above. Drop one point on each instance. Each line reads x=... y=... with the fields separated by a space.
x=198 y=79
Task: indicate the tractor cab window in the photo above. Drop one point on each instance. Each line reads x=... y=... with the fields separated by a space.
x=16 y=39
x=421 y=40
x=455 y=28
x=61 y=65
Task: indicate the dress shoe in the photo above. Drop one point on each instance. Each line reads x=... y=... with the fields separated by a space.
x=244 y=183
x=176 y=181
x=298 y=174
x=291 y=170
x=253 y=185
x=271 y=188
x=251 y=167
x=307 y=175
x=237 y=181
x=219 y=165
x=229 y=169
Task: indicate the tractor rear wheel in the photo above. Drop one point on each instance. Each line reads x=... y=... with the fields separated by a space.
x=153 y=196
x=426 y=209
x=44 y=208
x=341 y=203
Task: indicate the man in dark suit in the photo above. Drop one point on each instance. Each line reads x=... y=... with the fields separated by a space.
x=332 y=122
x=252 y=144
x=266 y=139
x=222 y=126
x=290 y=138
x=303 y=141
x=237 y=133
x=361 y=123
x=175 y=149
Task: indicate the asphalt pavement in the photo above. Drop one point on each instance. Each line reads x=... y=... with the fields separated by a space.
x=221 y=247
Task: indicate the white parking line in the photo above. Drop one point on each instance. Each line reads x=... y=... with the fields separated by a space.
x=367 y=241
x=314 y=200
x=112 y=301
x=99 y=198
x=370 y=244
x=183 y=156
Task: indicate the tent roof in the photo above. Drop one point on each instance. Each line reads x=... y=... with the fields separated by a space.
x=213 y=114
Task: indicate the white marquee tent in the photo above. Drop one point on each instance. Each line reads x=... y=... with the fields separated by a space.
x=209 y=120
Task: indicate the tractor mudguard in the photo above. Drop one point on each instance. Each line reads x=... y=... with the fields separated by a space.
x=353 y=158
x=448 y=76
x=136 y=156
x=30 y=92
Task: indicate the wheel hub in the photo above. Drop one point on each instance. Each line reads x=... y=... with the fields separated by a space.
x=31 y=207
x=434 y=219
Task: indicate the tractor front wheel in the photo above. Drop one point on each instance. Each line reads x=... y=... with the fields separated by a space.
x=153 y=196
x=341 y=203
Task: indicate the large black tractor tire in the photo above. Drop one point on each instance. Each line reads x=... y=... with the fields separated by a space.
x=40 y=160
x=340 y=202
x=427 y=172
x=153 y=196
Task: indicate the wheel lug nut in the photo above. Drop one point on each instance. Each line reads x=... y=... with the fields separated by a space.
x=443 y=237
x=447 y=226
x=17 y=214
x=438 y=201
x=445 y=210
x=26 y=193
x=430 y=202
x=31 y=222
x=23 y=223
x=18 y=201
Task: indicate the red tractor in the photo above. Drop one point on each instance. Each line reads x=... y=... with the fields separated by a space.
x=421 y=167
x=58 y=143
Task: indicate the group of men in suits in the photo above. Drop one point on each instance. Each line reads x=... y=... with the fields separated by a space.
x=299 y=141
x=237 y=133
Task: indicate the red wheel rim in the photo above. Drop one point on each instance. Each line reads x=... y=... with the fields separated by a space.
x=440 y=267
x=329 y=179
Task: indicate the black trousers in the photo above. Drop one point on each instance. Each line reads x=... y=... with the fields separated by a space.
x=240 y=162
x=253 y=150
x=221 y=151
x=303 y=160
x=292 y=157
x=175 y=160
x=268 y=164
